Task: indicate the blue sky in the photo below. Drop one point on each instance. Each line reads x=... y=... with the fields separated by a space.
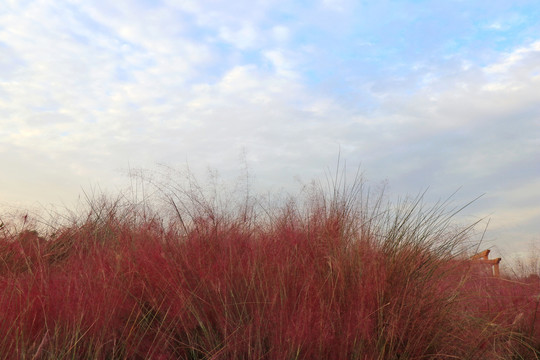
x=438 y=94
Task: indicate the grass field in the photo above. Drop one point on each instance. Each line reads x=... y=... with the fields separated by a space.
x=335 y=274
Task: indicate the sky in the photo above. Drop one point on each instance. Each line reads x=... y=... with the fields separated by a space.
x=439 y=95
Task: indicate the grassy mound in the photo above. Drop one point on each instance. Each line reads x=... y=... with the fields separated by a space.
x=328 y=275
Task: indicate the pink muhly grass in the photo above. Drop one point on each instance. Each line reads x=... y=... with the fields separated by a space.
x=339 y=276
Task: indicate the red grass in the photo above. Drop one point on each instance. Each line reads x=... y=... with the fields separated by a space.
x=336 y=280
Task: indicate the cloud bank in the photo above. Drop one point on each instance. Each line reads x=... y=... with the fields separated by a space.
x=443 y=95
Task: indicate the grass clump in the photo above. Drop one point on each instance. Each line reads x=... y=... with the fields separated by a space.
x=330 y=274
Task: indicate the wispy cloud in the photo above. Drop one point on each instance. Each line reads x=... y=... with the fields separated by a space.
x=420 y=95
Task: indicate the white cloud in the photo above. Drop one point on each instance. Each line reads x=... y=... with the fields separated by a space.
x=509 y=21
x=513 y=58
x=95 y=86
x=243 y=38
x=495 y=26
x=281 y=62
x=512 y=218
x=281 y=34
